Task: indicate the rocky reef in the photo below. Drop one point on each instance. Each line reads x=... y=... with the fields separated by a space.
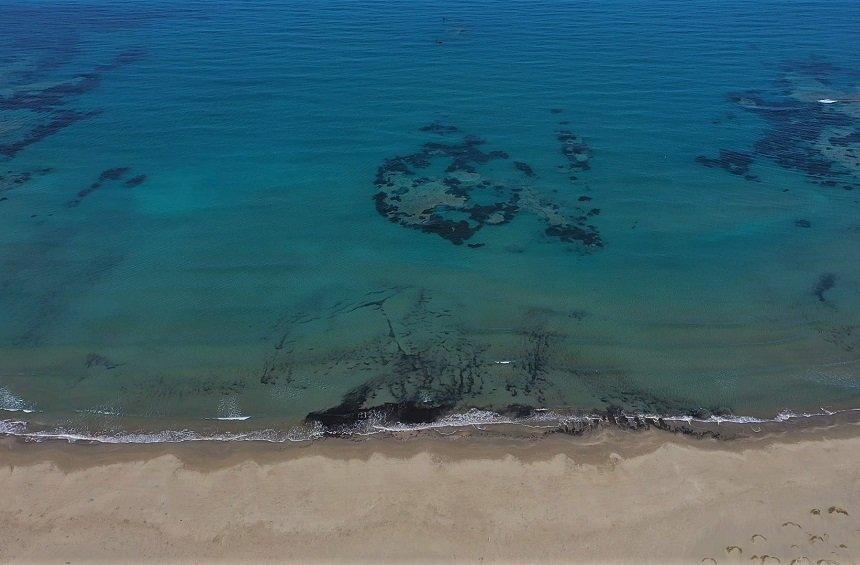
x=449 y=188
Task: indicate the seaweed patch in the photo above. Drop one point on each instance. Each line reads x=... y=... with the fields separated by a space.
x=108 y=176
x=575 y=150
x=135 y=181
x=450 y=189
x=439 y=128
x=58 y=121
x=10 y=180
x=811 y=124
x=825 y=282
x=735 y=162
x=44 y=106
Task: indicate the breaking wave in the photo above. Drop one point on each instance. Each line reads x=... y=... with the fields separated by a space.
x=474 y=418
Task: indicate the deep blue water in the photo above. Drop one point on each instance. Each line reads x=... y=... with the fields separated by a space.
x=276 y=208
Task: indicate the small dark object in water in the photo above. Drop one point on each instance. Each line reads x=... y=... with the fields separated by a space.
x=439 y=127
x=524 y=168
x=803 y=223
x=825 y=283
x=113 y=174
x=475 y=245
x=135 y=181
x=584 y=198
x=556 y=110
x=96 y=360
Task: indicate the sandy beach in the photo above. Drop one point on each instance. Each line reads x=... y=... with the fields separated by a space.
x=613 y=496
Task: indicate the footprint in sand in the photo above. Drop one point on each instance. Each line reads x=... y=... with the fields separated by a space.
x=815 y=512
x=784 y=524
x=765 y=558
x=733 y=548
x=837 y=510
x=801 y=561
x=711 y=559
x=813 y=538
x=752 y=539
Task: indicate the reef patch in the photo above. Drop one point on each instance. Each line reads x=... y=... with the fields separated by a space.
x=42 y=106
x=575 y=150
x=811 y=124
x=735 y=162
x=108 y=176
x=450 y=189
x=11 y=180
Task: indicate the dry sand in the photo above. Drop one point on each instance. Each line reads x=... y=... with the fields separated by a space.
x=612 y=497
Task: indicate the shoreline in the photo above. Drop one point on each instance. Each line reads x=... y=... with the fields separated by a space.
x=610 y=496
x=516 y=421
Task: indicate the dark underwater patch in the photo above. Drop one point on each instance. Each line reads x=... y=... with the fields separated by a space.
x=825 y=282
x=96 y=360
x=464 y=200
x=58 y=121
x=135 y=181
x=49 y=98
x=575 y=150
x=11 y=180
x=817 y=137
x=735 y=162
x=524 y=168
x=49 y=105
x=439 y=128
x=108 y=176
x=423 y=365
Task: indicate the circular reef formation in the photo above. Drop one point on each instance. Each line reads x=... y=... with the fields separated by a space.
x=447 y=188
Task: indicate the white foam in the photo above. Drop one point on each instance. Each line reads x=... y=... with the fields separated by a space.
x=228 y=410
x=12 y=403
x=828 y=101
x=298 y=434
x=100 y=412
x=375 y=424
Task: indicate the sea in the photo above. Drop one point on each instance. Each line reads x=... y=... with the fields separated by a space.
x=283 y=219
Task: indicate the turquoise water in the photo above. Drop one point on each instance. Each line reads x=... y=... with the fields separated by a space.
x=271 y=209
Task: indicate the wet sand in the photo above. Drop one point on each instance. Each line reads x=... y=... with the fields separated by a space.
x=612 y=496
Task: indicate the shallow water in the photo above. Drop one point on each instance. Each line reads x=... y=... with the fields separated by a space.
x=278 y=208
